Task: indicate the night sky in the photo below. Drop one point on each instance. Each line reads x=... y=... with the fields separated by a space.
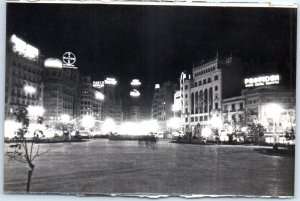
x=156 y=43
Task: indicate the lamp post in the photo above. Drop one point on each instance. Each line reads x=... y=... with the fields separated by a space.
x=274 y=111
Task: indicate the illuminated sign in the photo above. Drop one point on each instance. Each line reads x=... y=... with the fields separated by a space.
x=135 y=93
x=261 y=81
x=111 y=81
x=24 y=49
x=135 y=82
x=98 y=84
x=157 y=86
x=69 y=59
x=53 y=63
x=99 y=96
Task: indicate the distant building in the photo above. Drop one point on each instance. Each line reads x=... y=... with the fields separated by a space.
x=91 y=99
x=111 y=106
x=203 y=91
x=23 y=76
x=61 y=93
x=135 y=105
x=162 y=104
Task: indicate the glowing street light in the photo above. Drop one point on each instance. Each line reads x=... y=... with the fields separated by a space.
x=88 y=121
x=65 y=118
x=35 y=110
x=108 y=126
x=174 y=123
x=273 y=111
x=29 y=89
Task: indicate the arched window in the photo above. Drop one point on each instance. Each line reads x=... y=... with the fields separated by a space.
x=205 y=101
x=196 y=103
x=210 y=101
x=201 y=101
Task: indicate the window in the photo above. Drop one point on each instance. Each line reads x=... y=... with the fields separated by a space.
x=186 y=87
x=209 y=80
x=201 y=118
x=186 y=119
x=205 y=118
x=216 y=77
x=233 y=107
x=192 y=119
x=241 y=106
x=204 y=81
x=196 y=84
x=186 y=96
x=216 y=105
x=200 y=83
x=196 y=118
x=216 y=88
x=186 y=110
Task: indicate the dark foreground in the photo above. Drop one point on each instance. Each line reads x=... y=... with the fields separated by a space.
x=126 y=167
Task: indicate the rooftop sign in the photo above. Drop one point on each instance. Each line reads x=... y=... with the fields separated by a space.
x=262 y=81
x=24 y=49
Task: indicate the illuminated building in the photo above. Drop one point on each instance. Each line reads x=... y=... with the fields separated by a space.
x=258 y=104
x=203 y=91
x=163 y=100
x=91 y=99
x=23 y=84
x=61 y=91
x=111 y=106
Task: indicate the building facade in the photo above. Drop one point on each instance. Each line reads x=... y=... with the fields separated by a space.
x=162 y=103
x=61 y=93
x=203 y=91
x=23 y=84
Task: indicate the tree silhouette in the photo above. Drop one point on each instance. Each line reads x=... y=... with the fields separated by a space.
x=22 y=149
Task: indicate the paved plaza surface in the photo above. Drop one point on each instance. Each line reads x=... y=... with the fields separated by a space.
x=126 y=167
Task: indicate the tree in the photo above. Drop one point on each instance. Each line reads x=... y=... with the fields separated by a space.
x=258 y=130
x=23 y=149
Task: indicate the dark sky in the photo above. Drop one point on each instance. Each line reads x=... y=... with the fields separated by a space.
x=156 y=43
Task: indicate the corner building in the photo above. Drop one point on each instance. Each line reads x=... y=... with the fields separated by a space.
x=203 y=91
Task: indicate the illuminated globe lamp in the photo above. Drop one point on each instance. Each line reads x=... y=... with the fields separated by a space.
x=28 y=89
x=65 y=118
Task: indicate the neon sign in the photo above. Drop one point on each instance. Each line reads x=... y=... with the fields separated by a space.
x=24 y=49
x=98 y=84
x=261 y=81
x=135 y=82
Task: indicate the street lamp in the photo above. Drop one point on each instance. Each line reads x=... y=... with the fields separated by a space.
x=88 y=121
x=35 y=110
x=65 y=118
x=274 y=111
x=29 y=89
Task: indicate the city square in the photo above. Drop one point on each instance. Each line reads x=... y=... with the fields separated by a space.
x=150 y=100
x=118 y=167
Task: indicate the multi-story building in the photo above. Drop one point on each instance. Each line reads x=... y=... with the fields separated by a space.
x=24 y=66
x=91 y=99
x=61 y=92
x=271 y=105
x=233 y=109
x=203 y=91
x=111 y=106
x=162 y=104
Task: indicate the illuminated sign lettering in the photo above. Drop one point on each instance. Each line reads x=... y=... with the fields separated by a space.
x=135 y=93
x=98 y=84
x=135 y=82
x=111 y=81
x=261 y=81
x=24 y=49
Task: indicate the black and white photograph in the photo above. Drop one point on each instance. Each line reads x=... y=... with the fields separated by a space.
x=150 y=100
